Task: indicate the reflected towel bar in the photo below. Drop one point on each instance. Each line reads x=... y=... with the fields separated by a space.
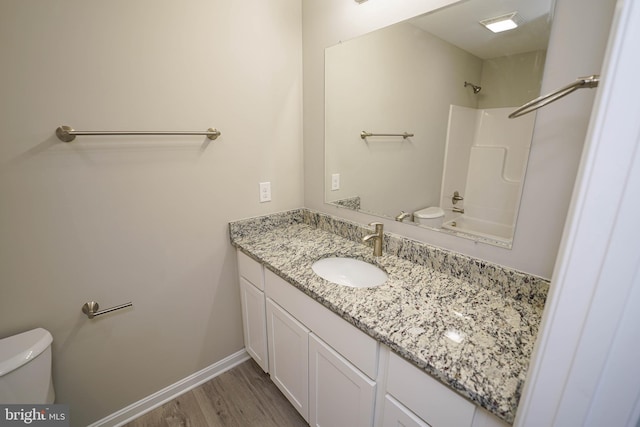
x=580 y=83
x=68 y=134
x=91 y=309
x=364 y=134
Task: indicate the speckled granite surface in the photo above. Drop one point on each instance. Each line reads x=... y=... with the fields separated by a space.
x=466 y=322
x=352 y=203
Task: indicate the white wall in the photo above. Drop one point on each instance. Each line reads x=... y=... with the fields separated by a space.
x=141 y=219
x=398 y=79
x=585 y=370
x=556 y=146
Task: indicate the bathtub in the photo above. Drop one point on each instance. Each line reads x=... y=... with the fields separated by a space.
x=477 y=227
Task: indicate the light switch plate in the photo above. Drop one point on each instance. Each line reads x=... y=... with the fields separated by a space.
x=265 y=192
x=335 y=181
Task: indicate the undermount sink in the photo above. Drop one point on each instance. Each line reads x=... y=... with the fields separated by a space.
x=349 y=272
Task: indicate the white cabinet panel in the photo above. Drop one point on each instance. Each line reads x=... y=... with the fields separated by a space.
x=397 y=415
x=289 y=356
x=340 y=395
x=254 y=323
x=426 y=397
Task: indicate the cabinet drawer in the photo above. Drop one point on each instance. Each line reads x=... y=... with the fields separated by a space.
x=426 y=397
x=397 y=415
x=353 y=344
x=250 y=270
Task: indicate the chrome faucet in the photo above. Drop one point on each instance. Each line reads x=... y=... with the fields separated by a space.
x=458 y=210
x=403 y=215
x=377 y=237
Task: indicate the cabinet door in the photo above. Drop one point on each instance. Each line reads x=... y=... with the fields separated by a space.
x=397 y=415
x=289 y=356
x=254 y=323
x=339 y=394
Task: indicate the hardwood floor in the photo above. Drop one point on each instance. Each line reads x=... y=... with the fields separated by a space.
x=243 y=396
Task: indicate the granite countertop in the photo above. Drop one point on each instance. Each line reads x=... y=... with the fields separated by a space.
x=475 y=339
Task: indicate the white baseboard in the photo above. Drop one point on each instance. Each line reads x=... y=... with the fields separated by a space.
x=158 y=398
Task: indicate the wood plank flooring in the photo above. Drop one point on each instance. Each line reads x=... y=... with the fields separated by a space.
x=241 y=397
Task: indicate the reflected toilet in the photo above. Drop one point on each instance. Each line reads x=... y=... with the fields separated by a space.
x=432 y=216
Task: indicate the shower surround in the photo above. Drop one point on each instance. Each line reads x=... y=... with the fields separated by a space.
x=485 y=161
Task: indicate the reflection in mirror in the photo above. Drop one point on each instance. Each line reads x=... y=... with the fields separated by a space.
x=450 y=82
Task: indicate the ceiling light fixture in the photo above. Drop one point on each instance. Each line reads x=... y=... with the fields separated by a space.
x=503 y=22
x=360 y=1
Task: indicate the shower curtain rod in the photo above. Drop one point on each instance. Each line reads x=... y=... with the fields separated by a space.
x=580 y=83
x=68 y=134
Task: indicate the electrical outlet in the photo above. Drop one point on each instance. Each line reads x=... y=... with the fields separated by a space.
x=265 y=192
x=335 y=181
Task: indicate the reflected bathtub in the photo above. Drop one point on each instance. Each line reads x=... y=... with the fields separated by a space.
x=477 y=227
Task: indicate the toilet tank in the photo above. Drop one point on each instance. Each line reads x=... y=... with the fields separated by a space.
x=25 y=368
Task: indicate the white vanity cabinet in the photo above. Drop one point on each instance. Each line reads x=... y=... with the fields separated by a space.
x=341 y=366
x=334 y=374
x=253 y=309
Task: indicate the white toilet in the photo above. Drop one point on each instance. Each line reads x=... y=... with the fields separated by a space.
x=25 y=368
x=431 y=217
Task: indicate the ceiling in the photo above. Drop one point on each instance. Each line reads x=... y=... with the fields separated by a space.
x=459 y=25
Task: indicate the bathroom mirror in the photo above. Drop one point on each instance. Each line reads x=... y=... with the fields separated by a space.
x=416 y=117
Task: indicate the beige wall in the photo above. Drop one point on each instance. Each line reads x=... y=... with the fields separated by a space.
x=139 y=219
x=558 y=136
x=512 y=80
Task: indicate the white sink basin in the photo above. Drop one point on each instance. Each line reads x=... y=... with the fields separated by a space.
x=349 y=272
